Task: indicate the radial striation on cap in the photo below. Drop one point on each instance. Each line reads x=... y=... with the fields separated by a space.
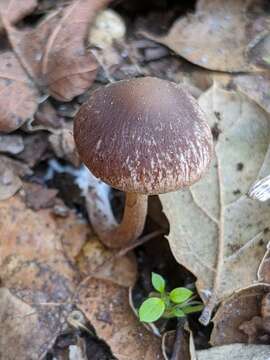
x=143 y=135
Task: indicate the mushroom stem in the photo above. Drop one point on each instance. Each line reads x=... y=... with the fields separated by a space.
x=132 y=224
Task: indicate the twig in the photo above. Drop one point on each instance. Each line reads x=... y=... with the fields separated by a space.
x=178 y=343
x=138 y=242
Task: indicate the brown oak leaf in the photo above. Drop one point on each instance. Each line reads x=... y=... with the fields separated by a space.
x=106 y=306
x=54 y=53
x=15 y=10
x=52 y=58
x=18 y=101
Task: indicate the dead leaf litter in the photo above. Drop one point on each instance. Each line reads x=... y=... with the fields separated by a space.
x=64 y=295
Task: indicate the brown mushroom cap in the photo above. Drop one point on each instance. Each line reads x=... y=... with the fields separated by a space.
x=143 y=135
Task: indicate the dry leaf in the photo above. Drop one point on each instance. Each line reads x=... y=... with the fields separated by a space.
x=215 y=229
x=32 y=240
x=35 y=148
x=98 y=261
x=10 y=173
x=12 y=144
x=19 y=98
x=47 y=117
x=53 y=56
x=264 y=268
x=106 y=306
x=63 y=145
x=186 y=346
x=235 y=352
x=107 y=28
x=256 y=87
x=260 y=190
x=230 y=35
x=79 y=233
x=27 y=330
x=39 y=277
x=54 y=53
x=38 y=197
x=232 y=313
x=15 y=10
x=10 y=183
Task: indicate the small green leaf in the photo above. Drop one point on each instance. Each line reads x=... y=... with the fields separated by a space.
x=178 y=312
x=267 y=59
x=180 y=295
x=158 y=282
x=151 y=310
x=192 y=309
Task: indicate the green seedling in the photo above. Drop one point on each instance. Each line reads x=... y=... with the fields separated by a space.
x=163 y=304
x=267 y=59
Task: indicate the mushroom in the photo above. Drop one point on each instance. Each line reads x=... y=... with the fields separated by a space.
x=143 y=136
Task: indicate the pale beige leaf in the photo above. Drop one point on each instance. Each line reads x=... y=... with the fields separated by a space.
x=106 y=306
x=221 y=35
x=235 y=352
x=215 y=229
x=18 y=101
x=256 y=87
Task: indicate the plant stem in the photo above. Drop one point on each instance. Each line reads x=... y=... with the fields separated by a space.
x=179 y=337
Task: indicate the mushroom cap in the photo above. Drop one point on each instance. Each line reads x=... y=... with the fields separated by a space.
x=143 y=135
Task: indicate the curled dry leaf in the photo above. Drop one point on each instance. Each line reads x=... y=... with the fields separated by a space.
x=231 y=35
x=54 y=54
x=15 y=10
x=10 y=173
x=240 y=308
x=107 y=28
x=12 y=144
x=260 y=190
x=216 y=233
x=257 y=329
x=64 y=147
x=235 y=352
x=37 y=278
x=264 y=268
x=19 y=97
x=186 y=345
x=106 y=306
